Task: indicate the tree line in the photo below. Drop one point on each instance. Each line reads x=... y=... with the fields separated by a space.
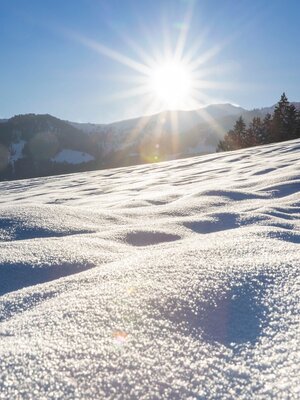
x=283 y=124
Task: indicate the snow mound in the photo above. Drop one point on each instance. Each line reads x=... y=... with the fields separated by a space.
x=174 y=280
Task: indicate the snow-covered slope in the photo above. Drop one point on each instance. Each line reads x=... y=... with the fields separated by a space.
x=176 y=280
x=16 y=151
x=72 y=157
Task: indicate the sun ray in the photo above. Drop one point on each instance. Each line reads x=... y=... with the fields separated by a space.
x=114 y=55
x=184 y=30
x=167 y=47
x=175 y=131
x=141 y=123
x=205 y=57
x=129 y=93
x=147 y=59
x=166 y=77
x=206 y=84
x=214 y=69
x=211 y=121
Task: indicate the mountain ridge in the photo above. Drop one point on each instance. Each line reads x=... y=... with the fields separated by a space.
x=34 y=145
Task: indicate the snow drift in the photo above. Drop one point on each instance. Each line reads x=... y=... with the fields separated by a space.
x=173 y=280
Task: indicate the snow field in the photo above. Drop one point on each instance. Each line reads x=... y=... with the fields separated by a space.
x=174 y=280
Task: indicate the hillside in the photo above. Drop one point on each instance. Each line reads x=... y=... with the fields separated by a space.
x=173 y=280
x=40 y=145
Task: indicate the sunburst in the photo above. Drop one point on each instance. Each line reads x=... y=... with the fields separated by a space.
x=172 y=83
x=166 y=78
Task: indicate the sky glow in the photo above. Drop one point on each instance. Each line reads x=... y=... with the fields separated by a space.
x=91 y=60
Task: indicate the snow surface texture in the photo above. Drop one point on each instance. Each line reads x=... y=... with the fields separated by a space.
x=178 y=280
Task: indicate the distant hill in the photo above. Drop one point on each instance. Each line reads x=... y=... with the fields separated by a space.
x=30 y=146
x=162 y=136
x=37 y=145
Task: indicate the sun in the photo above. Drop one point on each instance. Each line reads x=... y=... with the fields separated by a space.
x=171 y=83
x=175 y=74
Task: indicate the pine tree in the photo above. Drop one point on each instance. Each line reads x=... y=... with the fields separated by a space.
x=283 y=125
x=227 y=143
x=266 y=136
x=292 y=122
x=255 y=132
x=298 y=125
x=280 y=125
x=240 y=133
x=235 y=138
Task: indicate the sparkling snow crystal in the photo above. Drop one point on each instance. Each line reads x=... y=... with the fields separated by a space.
x=177 y=280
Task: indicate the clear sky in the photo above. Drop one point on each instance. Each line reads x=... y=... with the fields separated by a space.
x=83 y=60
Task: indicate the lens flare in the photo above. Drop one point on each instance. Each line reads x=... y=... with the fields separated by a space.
x=120 y=337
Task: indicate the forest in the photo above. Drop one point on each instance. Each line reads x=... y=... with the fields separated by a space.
x=282 y=125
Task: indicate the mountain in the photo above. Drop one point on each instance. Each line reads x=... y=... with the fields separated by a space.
x=37 y=145
x=166 y=135
x=178 y=280
x=166 y=121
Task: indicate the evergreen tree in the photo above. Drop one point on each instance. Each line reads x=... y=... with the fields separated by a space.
x=283 y=125
x=292 y=122
x=227 y=143
x=266 y=136
x=240 y=133
x=298 y=125
x=254 y=132
x=280 y=125
x=235 y=138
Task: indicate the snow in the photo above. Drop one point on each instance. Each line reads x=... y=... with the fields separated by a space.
x=174 y=280
x=16 y=151
x=72 y=157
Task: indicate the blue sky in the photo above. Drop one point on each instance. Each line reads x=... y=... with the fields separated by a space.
x=50 y=62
